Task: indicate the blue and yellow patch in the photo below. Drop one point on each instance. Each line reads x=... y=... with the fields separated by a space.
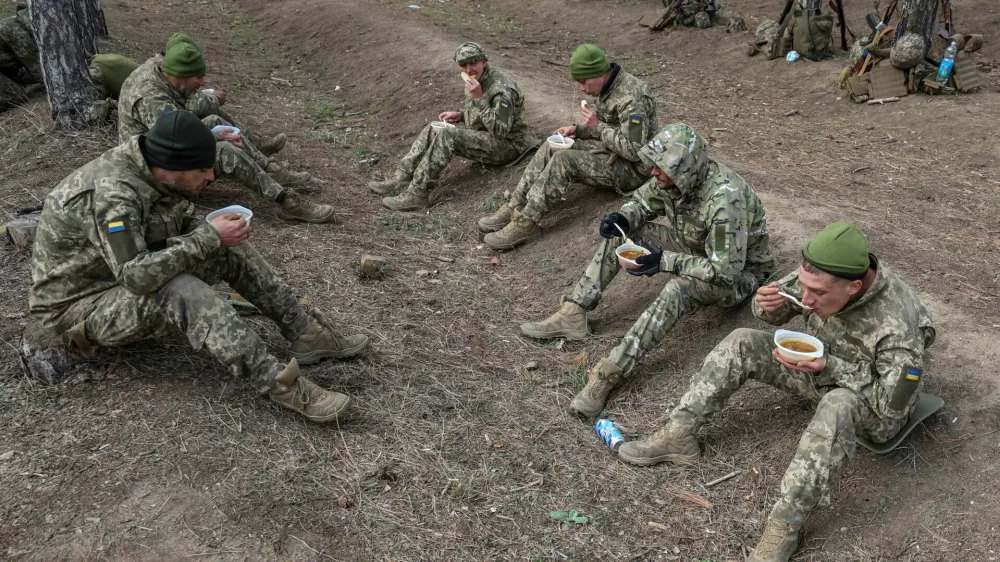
x=116 y=226
x=636 y=120
x=504 y=103
x=912 y=375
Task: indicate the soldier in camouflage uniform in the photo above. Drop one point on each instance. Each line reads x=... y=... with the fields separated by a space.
x=489 y=129
x=108 y=73
x=605 y=154
x=874 y=329
x=119 y=258
x=714 y=242
x=171 y=82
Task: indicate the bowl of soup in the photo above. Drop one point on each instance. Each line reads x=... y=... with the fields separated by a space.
x=247 y=214
x=796 y=346
x=225 y=130
x=627 y=253
x=557 y=143
x=442 y=125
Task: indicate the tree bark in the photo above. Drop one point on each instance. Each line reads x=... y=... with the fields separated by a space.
x=923 y=18
x=92 y=27
x=73 y=98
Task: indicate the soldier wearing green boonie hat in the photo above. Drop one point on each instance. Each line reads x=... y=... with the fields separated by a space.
x=174 y=81
x=866 y=384
x=604 y=154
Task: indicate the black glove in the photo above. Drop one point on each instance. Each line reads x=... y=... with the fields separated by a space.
x=650 y=263
x=608 y=229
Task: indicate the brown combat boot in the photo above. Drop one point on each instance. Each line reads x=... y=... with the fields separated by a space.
x=274 y=145
x=499 y=219
x=396 y=184
x=777 y=544
x=284 y=176
x=569 y=322
x=322 y=340
x=299 y=394
x=519 y=230
x=409 y=201
x=670 y=443
x=600 y=381
x=295 y=208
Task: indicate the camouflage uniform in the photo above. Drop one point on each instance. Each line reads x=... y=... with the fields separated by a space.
x=714 y=242
x=146 y=95
x=606 y=158
x=698 y=13
x=120 y=253
x=874 y=353
x=18 y=50
x=492 y=132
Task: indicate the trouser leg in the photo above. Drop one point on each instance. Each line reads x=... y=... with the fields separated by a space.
x=233 y=162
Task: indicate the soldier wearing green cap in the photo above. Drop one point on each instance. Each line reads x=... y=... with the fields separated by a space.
x=489 y=129
x=171 y=82
x=605 y=154
x=875 y=332
x=119 y=258
x=714 y=245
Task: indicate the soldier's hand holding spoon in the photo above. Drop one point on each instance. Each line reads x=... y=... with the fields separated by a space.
x=769 y=299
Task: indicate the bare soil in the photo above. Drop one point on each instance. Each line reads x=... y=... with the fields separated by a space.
x=457 y=451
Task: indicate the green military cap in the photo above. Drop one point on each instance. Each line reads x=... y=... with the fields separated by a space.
x=840 y=249
x=468 y=53
x=181 y=38
x=183 y=60
x=179 y=141
x=679 y=151
x=588 y=61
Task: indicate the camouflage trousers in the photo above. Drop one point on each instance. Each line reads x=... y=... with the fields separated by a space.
x=245 y=131
x=549 y=174
x=680 y=296
x=245 y=165
x=840 y=416
x=188 y=303
x=434 y=148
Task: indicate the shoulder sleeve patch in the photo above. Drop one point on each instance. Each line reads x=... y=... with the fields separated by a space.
x=635 y=128
x=906 y=387
x=503 y=109
x=121 y=240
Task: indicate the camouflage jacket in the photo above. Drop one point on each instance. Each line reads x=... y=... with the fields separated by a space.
x=718 y=218
x=111 y=223
x=874 y=346
x=626 y=115
x=500 y=111
x=146 y=94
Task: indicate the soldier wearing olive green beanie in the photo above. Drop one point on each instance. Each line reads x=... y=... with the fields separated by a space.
x=864 y=383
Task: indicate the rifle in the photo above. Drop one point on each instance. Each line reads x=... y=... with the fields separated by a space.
x=673 y=8
x=904 y=21
x=948 y=29
x=873 y=40
x=838 y=7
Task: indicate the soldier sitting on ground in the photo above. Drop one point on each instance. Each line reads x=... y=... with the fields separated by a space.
x=875 y=331
x=172 y=82
x=489 y=129
x=605 y=154
x=118 y=258
x=108 y=73
x=714 y=245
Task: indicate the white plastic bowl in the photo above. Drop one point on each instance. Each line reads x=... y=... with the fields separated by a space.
x=556 y=144
x=627 y=263
x=442 y=125
x=225 y=129
x=238 y=209
x=796 y=356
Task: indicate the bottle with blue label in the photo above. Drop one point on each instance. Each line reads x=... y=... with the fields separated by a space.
x=947 y=64
x=610 y=434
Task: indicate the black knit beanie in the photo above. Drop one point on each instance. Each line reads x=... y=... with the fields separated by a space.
x=179 y=141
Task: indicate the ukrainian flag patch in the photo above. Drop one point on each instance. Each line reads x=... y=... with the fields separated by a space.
x=636 y=120
x=116 y=226
x=504 y=103
x=912 y=375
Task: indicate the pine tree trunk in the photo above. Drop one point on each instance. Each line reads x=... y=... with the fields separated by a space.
x=73 y=98
x=923 y=18
x=100 y=25
x=90 y=18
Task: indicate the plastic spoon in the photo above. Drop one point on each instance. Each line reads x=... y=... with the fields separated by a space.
x=562 y=139
x=625 y=236
x=793 y=299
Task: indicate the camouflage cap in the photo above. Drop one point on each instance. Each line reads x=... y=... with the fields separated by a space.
x=679 y=151
x=468 y=53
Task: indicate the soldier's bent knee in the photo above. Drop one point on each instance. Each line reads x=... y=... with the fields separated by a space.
x=188 y=288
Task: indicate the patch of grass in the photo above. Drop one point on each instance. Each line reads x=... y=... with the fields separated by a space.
x=492 y=204
x=464 y=491
x=320 y=110
x=245 y=35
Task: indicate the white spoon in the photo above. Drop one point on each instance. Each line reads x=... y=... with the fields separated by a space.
x=625 y=236
x=794 y=300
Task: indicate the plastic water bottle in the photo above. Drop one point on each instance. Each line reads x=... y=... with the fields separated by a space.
x=947 y=64
x=610 y=433
x=792 y=56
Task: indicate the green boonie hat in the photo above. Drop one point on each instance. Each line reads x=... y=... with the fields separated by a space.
x=179 y=141
x=679 y=151
x=183 y=60
x=840 y=249
x=181 y=38
x=468 y=53
x=588 y=61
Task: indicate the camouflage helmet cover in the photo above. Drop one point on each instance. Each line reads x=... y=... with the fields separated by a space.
x=468 y=53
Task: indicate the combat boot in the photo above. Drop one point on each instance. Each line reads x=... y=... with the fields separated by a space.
x=274 y=145
x=299 y=394
x=569 y=322
x=284 y=176
x=295 y=208
x=777 y=544
x=519 y=230
x=499 y=219
x=600 y=381
x=396 y=184
x=409 y=201
x=322 y=340
x=673 y=443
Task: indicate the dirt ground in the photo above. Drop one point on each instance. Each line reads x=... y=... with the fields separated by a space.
x=456 y=450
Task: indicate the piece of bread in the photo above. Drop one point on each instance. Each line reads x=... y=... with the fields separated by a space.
x=465 y=77
x=583 y=104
